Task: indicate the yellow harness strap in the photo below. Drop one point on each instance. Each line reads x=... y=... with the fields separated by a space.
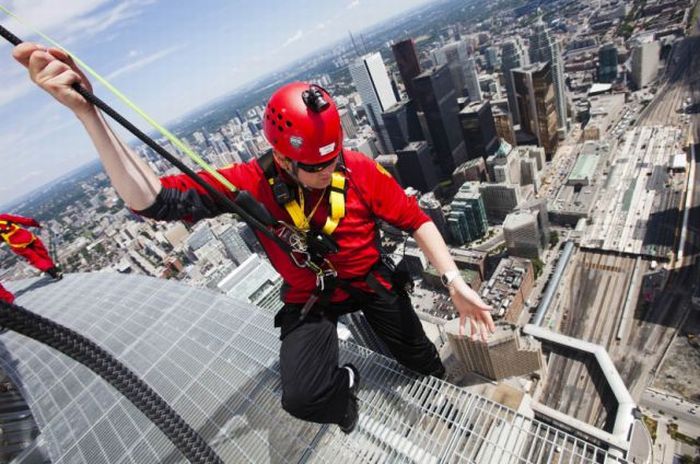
x=336 y=201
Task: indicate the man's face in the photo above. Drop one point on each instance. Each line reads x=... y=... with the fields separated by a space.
x=312 y=176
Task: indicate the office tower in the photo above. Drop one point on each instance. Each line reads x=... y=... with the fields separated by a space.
x=645 y=63
x=372 y=83
x=522 y=235
x=503 y=166
x=402 y=124
x=504 y=125
x=471 y=80
x=544 y=48
x=493 y=58
x=607 y=63
x=535 y=96
x=363 y=334
x=499 y=200
x=407 y=62
x=234 y=244
x=478 y=130
x=513 y=55
x=438 y=100
x=462 y=67
x=390 y=163
x=431 y=206
x=505 y=354
x=467 y=217
x=416 y=167
x=252 y=282
x=347 y=121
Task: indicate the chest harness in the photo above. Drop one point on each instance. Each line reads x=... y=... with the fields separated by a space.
x=326 y=276
x=7 y=230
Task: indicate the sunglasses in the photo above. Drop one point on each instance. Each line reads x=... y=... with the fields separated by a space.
x=312 y=168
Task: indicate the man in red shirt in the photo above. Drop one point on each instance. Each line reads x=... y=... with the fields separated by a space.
x=6 y=296
x=310 y=183
x=26 y=244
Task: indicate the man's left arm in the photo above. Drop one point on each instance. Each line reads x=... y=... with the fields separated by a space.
x=390 y=203
x=467 y=302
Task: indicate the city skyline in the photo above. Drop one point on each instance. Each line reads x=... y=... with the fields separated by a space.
x=137 y=45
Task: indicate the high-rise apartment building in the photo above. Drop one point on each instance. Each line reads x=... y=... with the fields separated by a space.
x=374 y=86
x=438 y=100
x=408 y=64
x=513 y=55
x=478 y=130
x=506 y=354
x=535 y=97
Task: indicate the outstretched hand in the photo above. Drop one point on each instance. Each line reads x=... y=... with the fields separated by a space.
x=472 y=309
x=54 y=71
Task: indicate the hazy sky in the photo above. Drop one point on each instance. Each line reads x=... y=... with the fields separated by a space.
x=167 y=56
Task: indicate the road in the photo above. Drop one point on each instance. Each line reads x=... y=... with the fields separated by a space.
x=674 y=409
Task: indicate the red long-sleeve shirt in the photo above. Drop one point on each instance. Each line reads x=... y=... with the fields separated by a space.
x=371 y=194
x=14 y=235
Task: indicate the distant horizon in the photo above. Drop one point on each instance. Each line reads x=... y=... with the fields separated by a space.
x=44 y=123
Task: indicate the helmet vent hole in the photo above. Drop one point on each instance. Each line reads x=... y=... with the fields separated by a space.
x=289 y=123
x=279 y=116
x=273 y=110
x=279 y=128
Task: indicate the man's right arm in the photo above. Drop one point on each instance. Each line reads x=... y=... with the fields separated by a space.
x=54 y=71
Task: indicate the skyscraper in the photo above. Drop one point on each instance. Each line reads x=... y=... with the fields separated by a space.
x=478 y=130
x=645 y=63
x=374 y=86
x=348 y=123
x=544 y=48
x=513 y=55
x=462 y=67
x=467 y=218
x=607 y=63
x=416 y=167
x=402 y=124
x=408 y=64
x=535 y=97
x=504 y=125
x=438 y=100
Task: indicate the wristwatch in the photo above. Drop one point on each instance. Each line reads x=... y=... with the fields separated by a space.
x=448 y=277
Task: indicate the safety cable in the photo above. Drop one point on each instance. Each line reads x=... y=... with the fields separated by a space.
x=125 y=381
x=244 y=205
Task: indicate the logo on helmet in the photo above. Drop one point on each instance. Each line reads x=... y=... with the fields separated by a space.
x=326 y=149
x=296 y=141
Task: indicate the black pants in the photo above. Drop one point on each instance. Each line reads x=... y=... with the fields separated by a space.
x=314 y=388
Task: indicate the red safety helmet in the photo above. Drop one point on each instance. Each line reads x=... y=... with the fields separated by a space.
x=301 y=122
